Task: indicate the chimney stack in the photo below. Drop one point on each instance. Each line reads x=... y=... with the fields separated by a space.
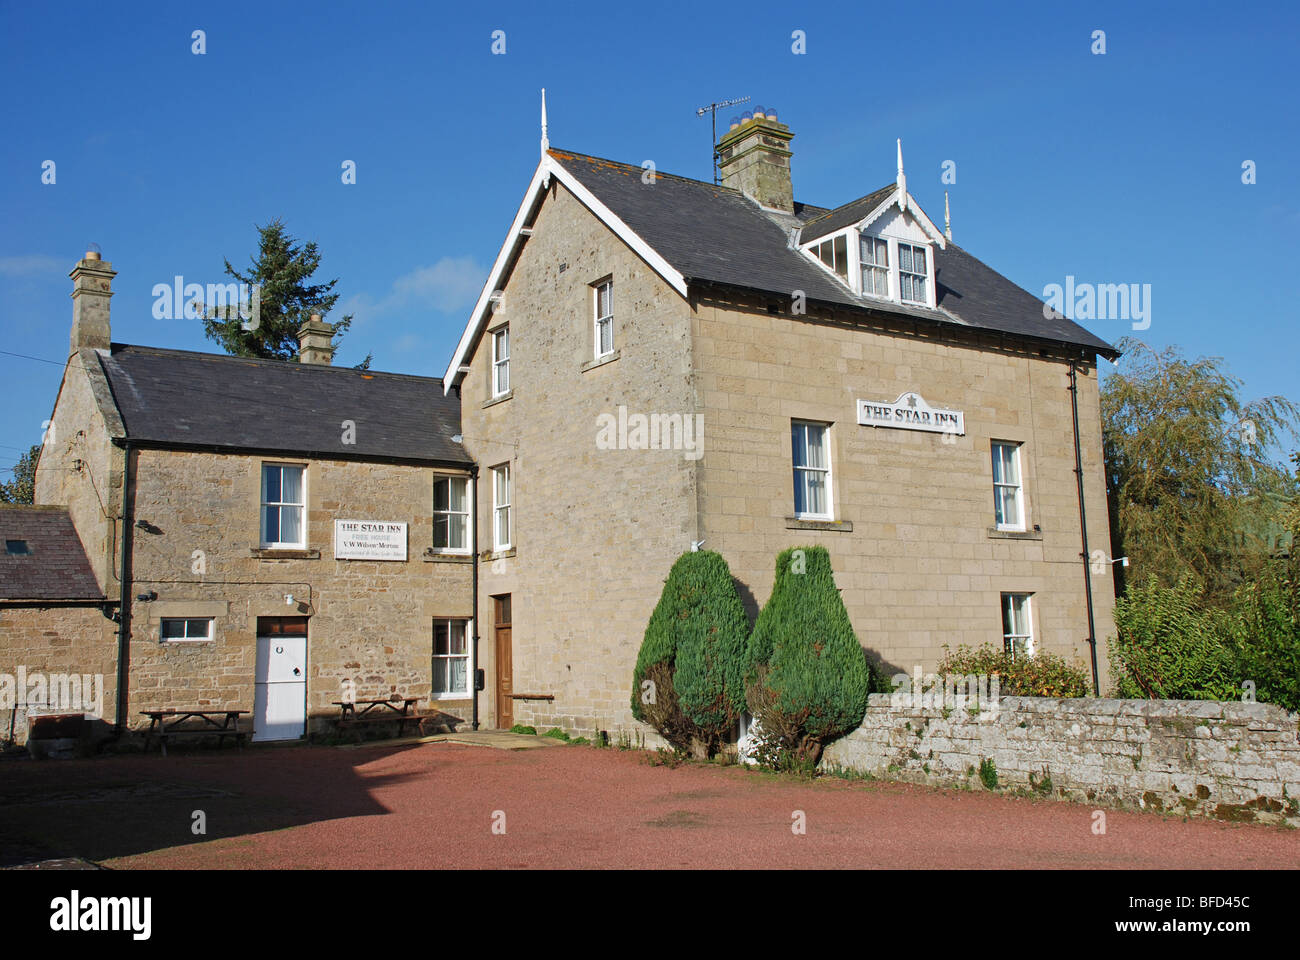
x=754 y=158
x=92 y=288
x=316 y=342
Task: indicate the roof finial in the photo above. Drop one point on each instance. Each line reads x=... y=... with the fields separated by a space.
x=902 y=179
x=546 y=142
x=947 y=217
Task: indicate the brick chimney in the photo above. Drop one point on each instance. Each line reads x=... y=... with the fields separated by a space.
x=92 y=288
x=754 y=158
x=316 y=342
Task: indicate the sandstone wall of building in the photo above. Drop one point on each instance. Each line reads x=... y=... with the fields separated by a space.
x=923 y=564
x=596 y=530
x=55 y=641
x=1237 y=761
x=370 y=621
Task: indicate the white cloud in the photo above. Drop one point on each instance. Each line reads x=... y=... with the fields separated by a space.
x=448 y=286
x=33 y=265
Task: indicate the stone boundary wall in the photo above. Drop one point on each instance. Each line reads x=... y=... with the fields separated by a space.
x=1233 y=761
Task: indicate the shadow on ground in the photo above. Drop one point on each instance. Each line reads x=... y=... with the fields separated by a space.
x=114 y=806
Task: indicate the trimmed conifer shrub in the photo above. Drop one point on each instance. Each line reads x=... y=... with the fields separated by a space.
x=687 y=683
x=806 y=676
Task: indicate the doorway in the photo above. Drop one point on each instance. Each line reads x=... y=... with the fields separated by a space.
x=505 y=662
x=280 y=690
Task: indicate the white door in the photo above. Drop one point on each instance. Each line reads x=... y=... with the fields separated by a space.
x=280 y=697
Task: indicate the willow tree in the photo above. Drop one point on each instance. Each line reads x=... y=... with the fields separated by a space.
x=1191 y=469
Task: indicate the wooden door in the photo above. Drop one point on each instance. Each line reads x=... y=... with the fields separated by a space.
x=505 y=662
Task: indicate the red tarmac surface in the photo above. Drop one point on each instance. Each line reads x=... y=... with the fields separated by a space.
x=433 y=806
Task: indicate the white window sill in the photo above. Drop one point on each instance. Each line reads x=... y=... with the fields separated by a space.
x=798 y=522
x=500 y=398
x=1014 y=533
x=601 y=361
x=285 y=553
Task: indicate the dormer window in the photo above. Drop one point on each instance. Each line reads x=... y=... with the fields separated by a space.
x=834 y=252
x=913 y=274
x=875 y=266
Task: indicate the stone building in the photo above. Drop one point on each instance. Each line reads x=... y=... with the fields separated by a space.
x=291 y=534
x=657 y=363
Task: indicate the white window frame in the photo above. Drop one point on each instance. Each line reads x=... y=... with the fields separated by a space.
x=603 y=321
x=929 y=270
x=1027 y=610
x=187 y=638
x=814 y=250
x=281 y=504
x=498 y=507
x=1017 y=525
x=888 y=268
x=500 y=362
x=467 y=656
x=798 y=470
x=449 y=513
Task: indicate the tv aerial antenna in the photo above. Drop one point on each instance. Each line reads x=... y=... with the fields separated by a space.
x=712 y=108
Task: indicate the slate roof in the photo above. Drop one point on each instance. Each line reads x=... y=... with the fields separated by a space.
x=180 y=398
x=55 y=569
x=715 y=235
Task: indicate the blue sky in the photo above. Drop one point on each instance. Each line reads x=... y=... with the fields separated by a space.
x=1120 y=168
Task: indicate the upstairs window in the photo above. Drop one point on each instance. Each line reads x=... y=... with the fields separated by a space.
x=810 y=448
x=17 y=548
x=1008 y=492
x=283 y=506
x=501 y=361
x=451 y=514
x=834 y=252
x=604 y=300
x=875 y=266
x=192 y=630
x=913 y=273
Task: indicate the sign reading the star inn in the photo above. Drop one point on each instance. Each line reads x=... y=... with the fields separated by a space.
x=911 y=412
x=369 y=540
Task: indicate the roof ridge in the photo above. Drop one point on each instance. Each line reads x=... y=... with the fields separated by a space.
x=560 y=154
x=142 y=348
x=834 y=210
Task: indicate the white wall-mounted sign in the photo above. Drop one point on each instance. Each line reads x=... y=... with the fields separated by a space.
x=369 y=540
x=911 y=412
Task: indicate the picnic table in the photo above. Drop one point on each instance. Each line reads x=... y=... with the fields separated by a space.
x=400 y=710
x=170 y=723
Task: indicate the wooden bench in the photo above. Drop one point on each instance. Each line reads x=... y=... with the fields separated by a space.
x=379 y=711
x=164 y=724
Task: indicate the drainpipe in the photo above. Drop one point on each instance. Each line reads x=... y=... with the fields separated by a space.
x=1083 y=526
x=473 y=549
x=124 y=604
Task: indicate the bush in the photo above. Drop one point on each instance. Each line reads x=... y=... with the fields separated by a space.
x=521 y=728
x=1042 y=675
x=1171 y=646
x=556 y=733
x=1268 y=635
x=989 y=773
x=691 y=656
x=806 y=676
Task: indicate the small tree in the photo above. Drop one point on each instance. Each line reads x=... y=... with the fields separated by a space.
x=687 y=682
x=22 y=488
x=806 y=676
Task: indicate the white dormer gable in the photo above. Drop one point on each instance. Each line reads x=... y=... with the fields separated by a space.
x=889 y=253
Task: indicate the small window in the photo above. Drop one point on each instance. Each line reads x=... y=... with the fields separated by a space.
x=1017 y=626
x=501 y=361
x=185 y=630
x=875 y=266
x=604 y=301
x=502 y=520
x=1008 y=493
x=17 y=548
x=913 y=273
x=450 y=658
x=451 y=514
x=812 y=470
x=835 y=254
x=284 y=506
